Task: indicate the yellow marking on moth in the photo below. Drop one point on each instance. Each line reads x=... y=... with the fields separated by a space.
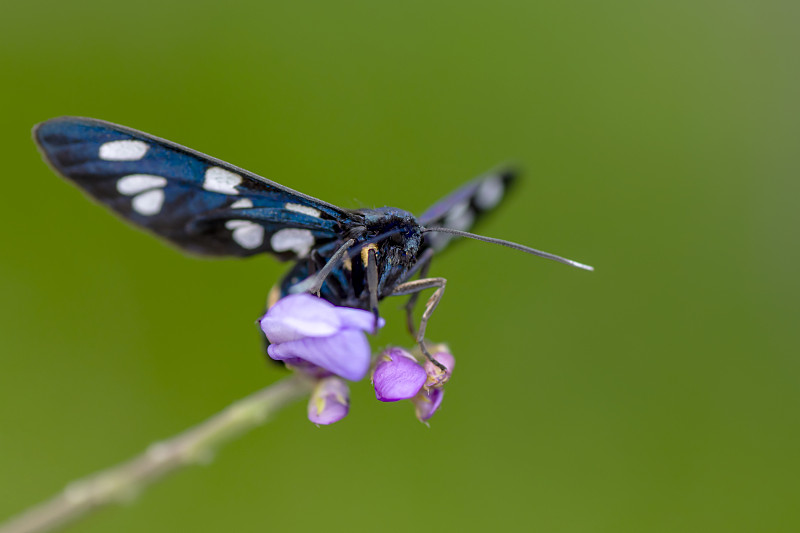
x=365 y=252
x=273 y=296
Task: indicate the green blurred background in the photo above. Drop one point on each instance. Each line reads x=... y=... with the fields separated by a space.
x=659 y=143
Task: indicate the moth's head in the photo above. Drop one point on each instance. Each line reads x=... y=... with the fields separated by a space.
x=394 y=231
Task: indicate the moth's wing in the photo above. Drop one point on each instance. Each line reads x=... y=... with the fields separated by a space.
x=462 y=208
x=199 y=203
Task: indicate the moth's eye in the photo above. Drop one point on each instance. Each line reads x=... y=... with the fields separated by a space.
x=397 y=238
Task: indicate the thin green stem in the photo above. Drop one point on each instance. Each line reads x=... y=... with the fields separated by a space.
x=196 y=445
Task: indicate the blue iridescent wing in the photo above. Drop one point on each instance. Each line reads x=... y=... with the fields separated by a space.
x=464 y=206
x=201 y=204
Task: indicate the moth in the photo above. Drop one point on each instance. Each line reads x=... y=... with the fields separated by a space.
x=350 y=257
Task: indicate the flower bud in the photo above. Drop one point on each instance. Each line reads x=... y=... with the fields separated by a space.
x=426 y=403
x=329 y=402
x=397 y=376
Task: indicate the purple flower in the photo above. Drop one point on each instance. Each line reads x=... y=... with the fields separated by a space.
x=397 y=376
x=302 y=326
x=426 y=403
x=329 y=402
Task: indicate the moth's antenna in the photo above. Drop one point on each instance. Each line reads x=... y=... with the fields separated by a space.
x=510 y=244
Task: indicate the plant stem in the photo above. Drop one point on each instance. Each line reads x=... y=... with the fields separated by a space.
x=120 y=483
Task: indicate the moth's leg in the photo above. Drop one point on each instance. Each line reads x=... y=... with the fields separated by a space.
x=422 y=266
x=370 y=259
x=313 y=283
x=414 y=287
x=423 y=261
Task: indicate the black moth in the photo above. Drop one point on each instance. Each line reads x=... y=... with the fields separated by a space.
x=352 y=258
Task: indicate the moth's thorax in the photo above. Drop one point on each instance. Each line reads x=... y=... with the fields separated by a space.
x=393 y=233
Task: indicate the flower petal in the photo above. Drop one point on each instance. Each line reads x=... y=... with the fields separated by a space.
x=330 y=401
x=398 y=376
x=346 y=354
x=357 y=318
x=427 y=402
x=300 y=315
x=309 y=369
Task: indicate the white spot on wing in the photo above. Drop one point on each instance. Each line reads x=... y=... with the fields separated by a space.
x=246 y=234
x=233 y=224
x=296 y=240
x=136 y=183
x=460 y=217
x=489 y=193
x=218 y=179
x=148 y=203
x=244 y=203
x=297 y=208
x=125 y=150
